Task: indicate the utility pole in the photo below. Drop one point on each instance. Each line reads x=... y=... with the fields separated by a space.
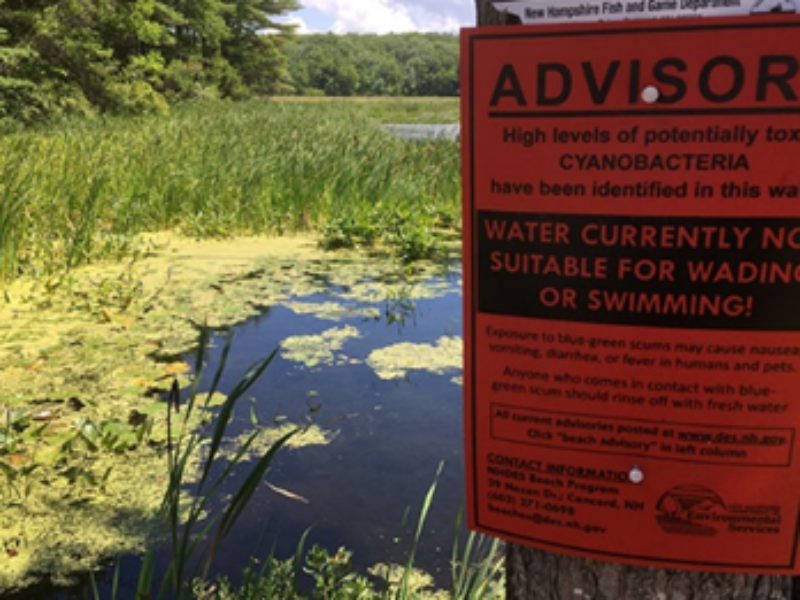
x=534 y=574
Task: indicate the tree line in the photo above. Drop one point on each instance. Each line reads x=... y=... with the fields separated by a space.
x=83 y=56
x=136 y=56
x=411 y=64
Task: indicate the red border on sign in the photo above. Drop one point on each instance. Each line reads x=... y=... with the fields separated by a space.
x=478 y=429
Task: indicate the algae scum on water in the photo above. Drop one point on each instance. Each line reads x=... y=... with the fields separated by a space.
x=88 y=356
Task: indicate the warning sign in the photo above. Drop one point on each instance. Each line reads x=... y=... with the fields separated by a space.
x=632 y=289
x=592 y=11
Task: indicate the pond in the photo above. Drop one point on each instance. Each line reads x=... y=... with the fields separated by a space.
x=420 y=132
x=390 y=427
x=379 y=370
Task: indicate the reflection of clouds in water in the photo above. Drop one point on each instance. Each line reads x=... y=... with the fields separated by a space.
x=394 y=362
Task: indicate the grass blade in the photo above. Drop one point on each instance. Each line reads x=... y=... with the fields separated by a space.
x=243 y=495
x=226 y=411
x=402 y=591
x=145 y=582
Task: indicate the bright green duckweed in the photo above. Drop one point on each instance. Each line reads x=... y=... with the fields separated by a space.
x=83 y=190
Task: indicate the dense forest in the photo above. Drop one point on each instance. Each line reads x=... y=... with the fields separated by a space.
x=83 y=56
x=410 y=64
x=137 y=56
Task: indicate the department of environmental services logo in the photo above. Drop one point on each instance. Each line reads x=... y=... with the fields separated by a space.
x=681 y=510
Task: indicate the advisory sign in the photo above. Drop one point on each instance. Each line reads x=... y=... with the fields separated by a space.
x=632 y=289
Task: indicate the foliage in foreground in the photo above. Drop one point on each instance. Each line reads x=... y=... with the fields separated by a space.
x=197 y=520
x=82 y=192
x=477 y=574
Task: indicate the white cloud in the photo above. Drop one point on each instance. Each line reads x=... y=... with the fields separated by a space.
x=301 y=26
x=395 y=16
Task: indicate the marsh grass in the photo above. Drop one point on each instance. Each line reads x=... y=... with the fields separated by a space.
x=411 y=110
x=82 y=191
x=186 y=517
x=13 y=187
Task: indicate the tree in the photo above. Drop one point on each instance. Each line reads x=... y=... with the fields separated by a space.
x=17 y=90
x=133 y=56
x=324 y=64
x=533 y=574
x=81 y=55
x=256 y=44
x=408 y=64
x=64 y=60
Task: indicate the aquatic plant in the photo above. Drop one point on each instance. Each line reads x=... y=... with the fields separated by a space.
x=195 y=460
x=477 y=566
x=13 y=187
x=83 y=190
x=477 y=571
x=87 y=372
x=198 y=511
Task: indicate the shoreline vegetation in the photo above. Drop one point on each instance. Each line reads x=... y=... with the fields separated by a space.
x=83 y=429
x=121 y=237
x=82 y=191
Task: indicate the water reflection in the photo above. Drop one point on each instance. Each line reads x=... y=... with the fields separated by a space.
x=424 y=132
x=390 y=434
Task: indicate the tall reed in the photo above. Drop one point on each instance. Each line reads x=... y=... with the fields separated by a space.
x=14 y=184
x=197 y=512
x=73 y=193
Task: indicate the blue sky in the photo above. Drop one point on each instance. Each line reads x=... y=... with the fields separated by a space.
x=384 y=16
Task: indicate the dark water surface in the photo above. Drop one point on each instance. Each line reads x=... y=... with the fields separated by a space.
x=390 y=436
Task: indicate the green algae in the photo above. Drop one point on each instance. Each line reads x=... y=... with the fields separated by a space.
x=95 y=349
x=88 y=352
x=395 y=362
x=332 y=311
x=309 y=435
x=323 y=349
x=63 y=527
x=419 y=584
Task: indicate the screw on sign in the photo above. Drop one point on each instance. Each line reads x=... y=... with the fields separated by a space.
x=535 y=441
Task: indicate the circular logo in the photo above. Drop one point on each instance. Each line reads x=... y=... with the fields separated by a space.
x=685 y=510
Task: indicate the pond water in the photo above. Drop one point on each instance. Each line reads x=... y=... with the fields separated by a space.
x=424 y=132
x=381 y=374
x=389 y=434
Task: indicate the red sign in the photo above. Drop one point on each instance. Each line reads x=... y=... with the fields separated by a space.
x=632 y=290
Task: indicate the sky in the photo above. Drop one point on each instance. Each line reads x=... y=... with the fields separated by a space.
x=383 y=16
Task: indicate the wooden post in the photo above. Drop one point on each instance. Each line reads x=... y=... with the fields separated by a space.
x=537 y=575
